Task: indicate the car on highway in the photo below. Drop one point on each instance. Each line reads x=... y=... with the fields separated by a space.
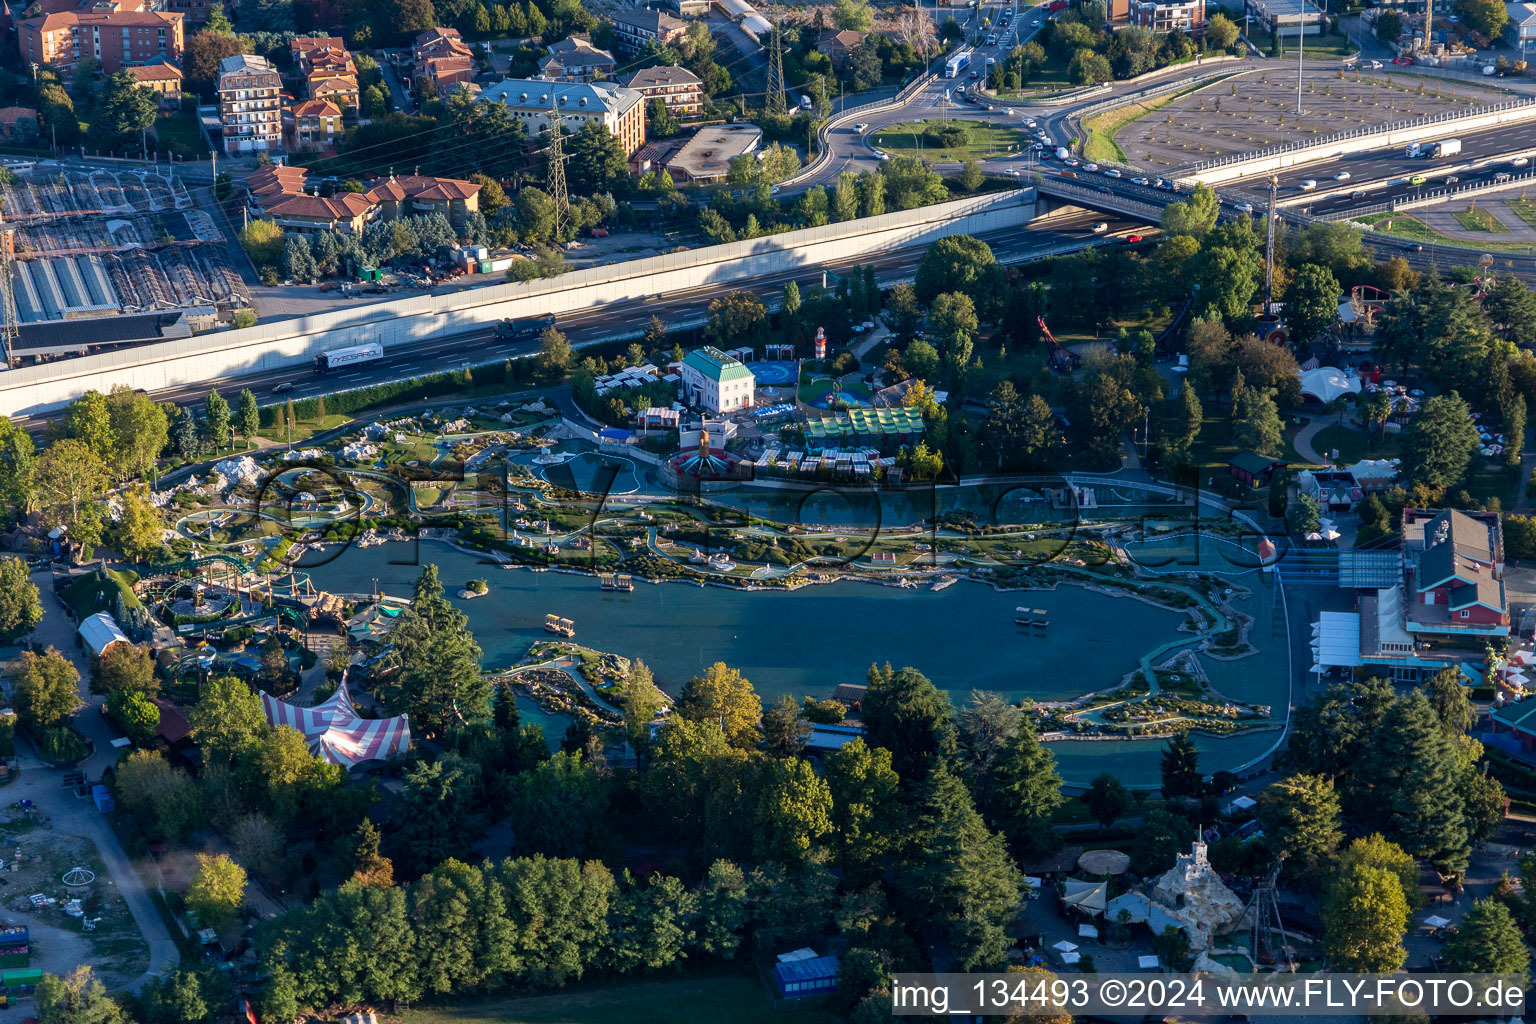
x=1413 y=247
x=1417 y=179
x=1090 y=167
x=283 y=388
x=1112 y=173
x=975 y=73
x=1071 y=161
x=1402 y=61
x=1341 y=176
x=1163 y=183
x=882 y=155
x=1068 y=174
x=1140 y=181
x=1008 y=111
x=1012 y=172
x=1451 y=179
x=1243 y=207
x=1309 y=185
x=1100 y=228
x=860 y=128
x=1132 y=239
x=1374 y=65
x=1358 y=193
x=1520 y=161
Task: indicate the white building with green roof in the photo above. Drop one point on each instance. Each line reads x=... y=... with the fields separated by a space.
x=716 y=382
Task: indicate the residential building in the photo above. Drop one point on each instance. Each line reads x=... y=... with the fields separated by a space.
x=338 y=90
x=708 y=155
x=250 y=104
x=1520 y=30
x=575 y=59
x=162 y=78
x=280 y=193
x=329 y=71
x=716 y=382
x=680 y=89
x=442 y=60
x=638 y=26
x=313 y=123
x=118 y=33
x=1455 y=573
x=20 y=126
x=1253 y=469
x=1117 y=13
x=404 y=195
x=1163 y=16
x=531 y=100
x=302 y=46
x=1287 y=17
x=685 y=8
x=839 y=44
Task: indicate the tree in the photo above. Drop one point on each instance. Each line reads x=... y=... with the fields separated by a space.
x=595 y=161
x=1452 y=707
x=971 y=175
x=298 y=259
x=71 y=478
x=554 y=352
x=46 y=689
x=958 y=263
x=77 y=998
x=408 y=17
x=1194 y=216
x=1304 y=515
x=854 y=15
x=723 y=910
x=439 y=683
x=784 y=731
x=560 y=807
x=1511 y=305
x=659 y=122
x=1487 y=941
x=217 y=889
x=18 y=471
x=1301 y=815
x=139 y=531
x=793 y=810
x=535 y=214
x=866 y=808
x=1378 y=852
x=136 y=714
x=1486 y=16
x=1027 y=792
x=1406 y=781
x=1389 y=27
x=226 y=719
x=724 y=696
x=1089 y=68
x=953 y=317
x=124 y=108
x=1311 y=303
x=959 y=874
x=1180 y=768
x=492 y=197
x=1221 y=31
x=735 y=317
x=641 y=699
x=1256 y=423
x=140 y=429
x=369 y=866
x=123 y=667
x=1364 y=918
x=1107 y=799
x=909 y=716
x=20 y=608
x=1441 y=441
x=247 y=416
x=262 y=241
x=1514 y=431
x=257 y=845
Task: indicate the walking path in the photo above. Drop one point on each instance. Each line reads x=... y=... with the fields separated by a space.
x=40 y=783
x=1303 y=441
x=1443 y=219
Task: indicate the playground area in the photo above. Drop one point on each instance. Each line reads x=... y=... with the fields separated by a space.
x=833 y=393
x=775 y=374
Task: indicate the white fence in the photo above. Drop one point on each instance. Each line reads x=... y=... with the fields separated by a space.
x=413 y=320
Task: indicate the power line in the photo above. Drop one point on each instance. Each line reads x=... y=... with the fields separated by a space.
x=775 y=99
x=556 y=157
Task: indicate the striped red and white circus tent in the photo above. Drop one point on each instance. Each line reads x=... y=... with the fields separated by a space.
x=335 y=731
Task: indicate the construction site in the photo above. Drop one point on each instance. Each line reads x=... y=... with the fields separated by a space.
x=97 y=257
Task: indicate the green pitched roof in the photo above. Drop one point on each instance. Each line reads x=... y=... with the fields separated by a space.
x=716 y=365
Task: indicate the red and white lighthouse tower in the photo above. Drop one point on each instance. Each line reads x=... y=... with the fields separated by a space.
x=821 y=343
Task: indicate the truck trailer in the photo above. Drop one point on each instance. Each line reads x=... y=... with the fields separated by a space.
x=1431 y=150
x=957 y=62
x=348 y=356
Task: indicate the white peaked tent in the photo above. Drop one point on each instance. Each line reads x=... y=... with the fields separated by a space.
x=1327 y=383
x=336 y=732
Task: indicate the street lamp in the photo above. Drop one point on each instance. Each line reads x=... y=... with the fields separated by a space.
x=1301 y=47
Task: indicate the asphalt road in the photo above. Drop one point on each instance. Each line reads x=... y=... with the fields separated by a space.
x=1490 y=153
x=625 y=320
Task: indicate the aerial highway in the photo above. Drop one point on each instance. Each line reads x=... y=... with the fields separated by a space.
x=628 y=320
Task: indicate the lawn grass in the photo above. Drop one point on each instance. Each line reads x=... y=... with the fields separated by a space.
x=1474 y=219
x=178 y=133
x=693 y=999
x=1353 y=445
x=987 y=140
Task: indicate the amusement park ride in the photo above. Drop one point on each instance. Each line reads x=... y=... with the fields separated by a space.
x=255 y=595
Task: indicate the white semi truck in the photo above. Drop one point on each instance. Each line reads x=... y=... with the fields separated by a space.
x=1431 y=150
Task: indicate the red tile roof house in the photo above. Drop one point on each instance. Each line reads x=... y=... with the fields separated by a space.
x=279 y=190
x=164 y=79
x=20 y=125
x=407 y=194
x=313 y=123
x=838 y=45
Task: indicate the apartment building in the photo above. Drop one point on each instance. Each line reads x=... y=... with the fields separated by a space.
x=163 y=79
x=250 y=104
x=575 y=59
x=1164 y=16
x=280 y=192
x=119 y=34
x=533 y=100
x=442 y=60
x=314 y=123
x=638 y=26
x=680 y=89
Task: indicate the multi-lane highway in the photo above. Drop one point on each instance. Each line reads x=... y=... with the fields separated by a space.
x=605 y=323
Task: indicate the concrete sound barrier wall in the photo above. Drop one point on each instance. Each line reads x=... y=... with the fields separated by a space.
x=293 y=342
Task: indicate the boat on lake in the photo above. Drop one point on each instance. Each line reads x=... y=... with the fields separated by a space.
x=560 y=627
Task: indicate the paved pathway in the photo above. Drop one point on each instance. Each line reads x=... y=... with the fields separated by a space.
x=1303 y=440
x=78 y=817
x=1443 y=219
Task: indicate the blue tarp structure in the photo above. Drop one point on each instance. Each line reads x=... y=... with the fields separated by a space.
x=615 y=434
x=102 y=797
x=806 y=977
